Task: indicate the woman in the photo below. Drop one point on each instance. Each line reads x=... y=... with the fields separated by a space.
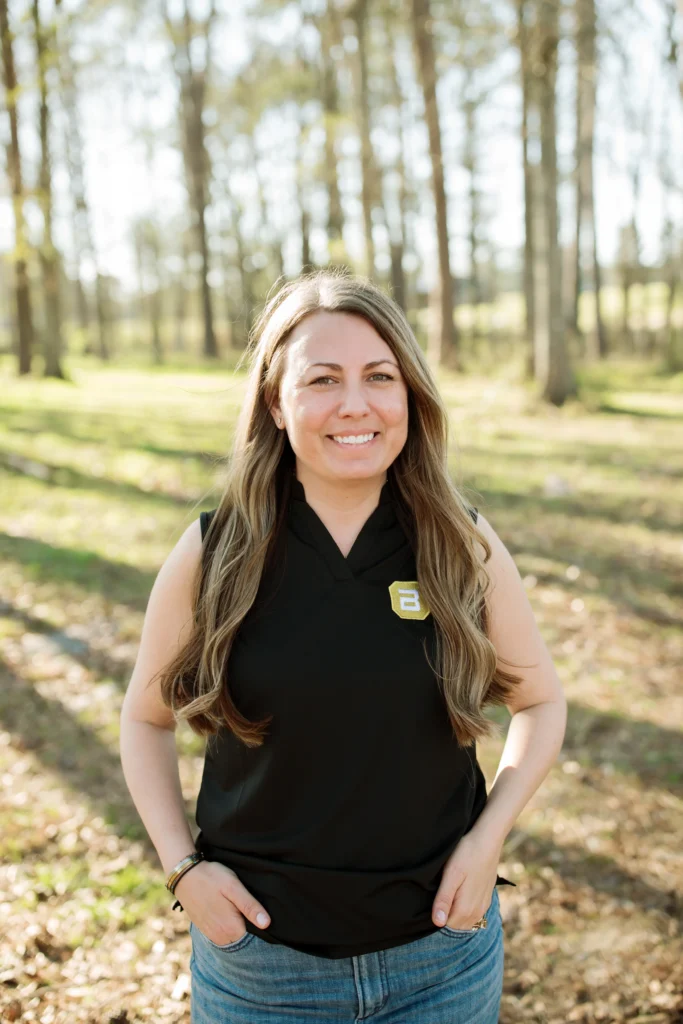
x=335 y=628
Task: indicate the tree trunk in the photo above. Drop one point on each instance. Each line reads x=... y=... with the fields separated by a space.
x=155 y=304
x=83 y=236
x=246 y=284
x=22 y=291
x=148 y=261
x=626 y=334
x=368 y=170
x=529 y=200
x=193 y=81
x=556 y=379
x=302 y=198
x=151 y=261
x=181 y=299
x=230 y=312
x=103 y=317
x=200 y=204
x=469 y=163
x=49 y=260
x=635 y=274
x=673 y=350
x=444 y=340
x=82 y=309
x=330 y=37
x=586 y=89
x=673 y=253
x=398 y=233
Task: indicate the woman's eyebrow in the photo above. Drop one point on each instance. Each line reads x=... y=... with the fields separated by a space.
x=368 y=366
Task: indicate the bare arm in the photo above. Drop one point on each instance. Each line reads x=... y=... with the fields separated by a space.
x=147 y=727
x=213 y=895
x=539 y=708
x=539 y=713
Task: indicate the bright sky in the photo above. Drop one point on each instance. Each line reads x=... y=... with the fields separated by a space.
x=124 y=182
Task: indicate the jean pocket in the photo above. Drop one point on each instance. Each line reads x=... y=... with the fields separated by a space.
x=472 y=931
x=229 y=947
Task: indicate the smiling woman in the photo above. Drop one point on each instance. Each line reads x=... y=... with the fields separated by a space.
x=346 y=426
x=338 y=652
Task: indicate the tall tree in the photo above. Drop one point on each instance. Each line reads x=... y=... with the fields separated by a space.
x=181 y=289
x=327 y=24
x=397 y=227
x=672 y=249
x=471 y=105
x=147 y=244
x=49 y=257
x=22 y=291
x=523 y=43
x=191 y=37
x=586 y=89
x=444 y=340
x=84 y=244
x=552 y=365
x=641 y=127
x=301 y=176
x=359 y=13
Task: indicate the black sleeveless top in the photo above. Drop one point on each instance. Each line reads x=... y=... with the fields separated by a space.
x=341 y=822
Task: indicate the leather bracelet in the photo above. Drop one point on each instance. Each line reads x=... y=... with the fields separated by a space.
x=181 y=868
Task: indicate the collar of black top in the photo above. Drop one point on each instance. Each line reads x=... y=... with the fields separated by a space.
x=299 y=494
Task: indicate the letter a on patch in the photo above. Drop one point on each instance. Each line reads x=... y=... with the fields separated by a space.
x=406 y=600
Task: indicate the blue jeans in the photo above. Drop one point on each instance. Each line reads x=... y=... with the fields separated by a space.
x=448 y=977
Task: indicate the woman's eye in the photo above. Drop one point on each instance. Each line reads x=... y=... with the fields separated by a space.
x=319 y=380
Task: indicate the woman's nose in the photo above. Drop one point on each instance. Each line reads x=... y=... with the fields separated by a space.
x=353 y=399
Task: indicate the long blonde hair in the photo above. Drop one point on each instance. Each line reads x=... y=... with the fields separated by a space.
x=249 y=520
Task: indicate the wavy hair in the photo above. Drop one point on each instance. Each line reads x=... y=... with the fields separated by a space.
x=244 y=532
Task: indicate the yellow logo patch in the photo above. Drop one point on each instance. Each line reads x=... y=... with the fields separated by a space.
x=406 y=600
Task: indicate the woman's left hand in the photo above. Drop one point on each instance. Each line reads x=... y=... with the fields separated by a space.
x=469 y=877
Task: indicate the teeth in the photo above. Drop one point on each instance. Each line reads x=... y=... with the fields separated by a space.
x=357 y=439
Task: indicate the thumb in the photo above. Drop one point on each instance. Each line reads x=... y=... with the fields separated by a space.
x=443 y=902
x=247 y=904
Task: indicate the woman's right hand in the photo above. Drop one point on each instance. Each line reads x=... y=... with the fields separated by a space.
x=217 y=902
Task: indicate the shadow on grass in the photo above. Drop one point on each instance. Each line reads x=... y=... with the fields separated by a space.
x=43 y=562
x=71 y=750
x=65 y=476
x=113 y=428
x=97 y=661
x=612 y=573
x=624 y=578
x=633 y=747
x=634 y=461
x=616 y=509
x=573 y=863
x=649 y=414
x=111 y=433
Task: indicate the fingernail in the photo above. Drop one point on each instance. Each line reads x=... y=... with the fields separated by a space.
x=262 y=920
x=440 y=916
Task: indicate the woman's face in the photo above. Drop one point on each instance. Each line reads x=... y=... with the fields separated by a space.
x=362 y=396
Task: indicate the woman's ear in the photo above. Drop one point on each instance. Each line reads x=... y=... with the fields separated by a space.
x=276 y=414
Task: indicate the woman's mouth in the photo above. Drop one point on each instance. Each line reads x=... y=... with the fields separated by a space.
x=354 y=441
